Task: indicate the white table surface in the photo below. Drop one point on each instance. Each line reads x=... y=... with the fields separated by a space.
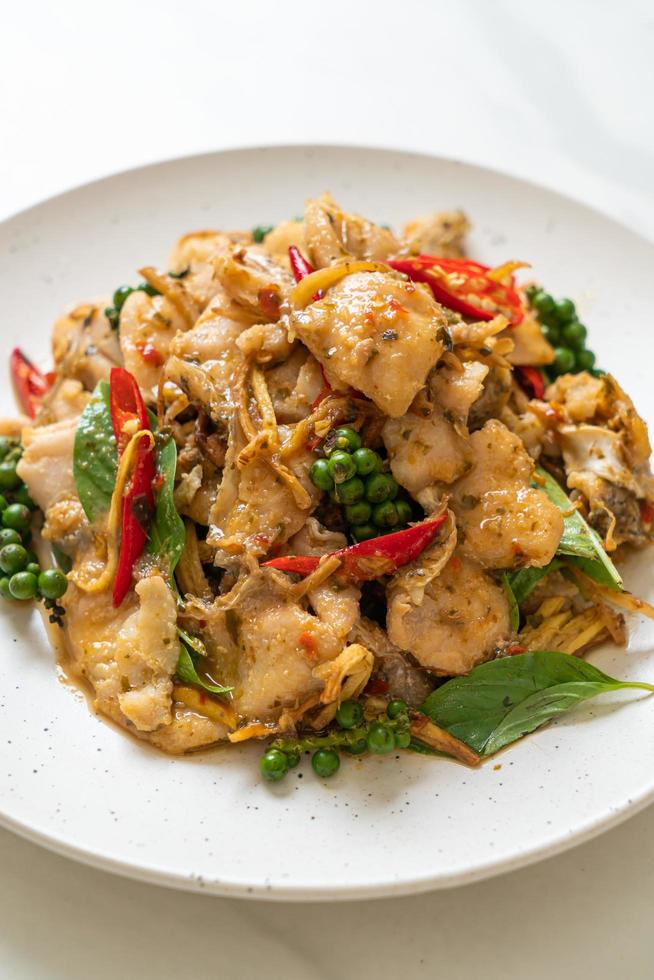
x=561 y=93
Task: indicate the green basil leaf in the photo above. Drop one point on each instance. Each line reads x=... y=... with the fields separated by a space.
x=479 y=708
x=95 y=456
x=167 y=532
x=543 y=707
x=514 y=611
x=422 y=749
x=186 y=665
x=579 y=540
x=523 y=582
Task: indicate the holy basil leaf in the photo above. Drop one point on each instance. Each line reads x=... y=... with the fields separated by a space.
x=543 y=707
x=482 y=708
x=95 y=457
x=579 y=540
x=186 y=666
x=167 y=532
x=514 y=610
x=422 y=749
x=525 y=580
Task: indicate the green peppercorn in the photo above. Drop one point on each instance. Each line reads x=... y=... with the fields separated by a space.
x=113 y=316
x=5 y=446
x=9 y=536
x=260 y=232
x=355 y=748
x=350 y=492
x=9 y=478
x=273 y=765
x=52 y=583
x=552 y=334
x=403 y=738
x=4 y=588
x=385 y=514
x=380 y=739
x=120 y=296
x=17 y=516
x=320 y=475
x=292 y=759
x=21 y=496
x=366 y=461
x=4 y=503
x=379 y=487
x=14 y=453
x=396 y=707
x=34 y=568
x=363 y=532
x=23 y=585
x=404 y=511
x=358 y=513
x=564 y=360
x=341 y=466
x=13 y=558
x=346 y=439
x=584 y=360
x=574 y=334
x=349 y=714
x=543 y=303
x=325 y=762
x=565 y=310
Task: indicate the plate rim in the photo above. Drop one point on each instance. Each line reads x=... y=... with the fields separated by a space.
x=288 y=892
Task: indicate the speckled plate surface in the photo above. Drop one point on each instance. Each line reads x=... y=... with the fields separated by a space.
x=73 y=783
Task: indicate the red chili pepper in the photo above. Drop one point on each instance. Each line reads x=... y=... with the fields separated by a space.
x=646 y=512
x=30 y=383
x=299 y=265
x=464 y=286
x=150 y=354
x=532 y=379
x=369 y=559
x=126 y=406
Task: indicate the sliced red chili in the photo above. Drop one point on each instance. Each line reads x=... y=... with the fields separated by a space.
x=127 y=406
x=299 y=265
x=532 y=380
x=30 y=384
x=372 y=558
x=464 y=286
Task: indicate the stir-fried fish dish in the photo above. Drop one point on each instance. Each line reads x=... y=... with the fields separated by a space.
x=328 y=486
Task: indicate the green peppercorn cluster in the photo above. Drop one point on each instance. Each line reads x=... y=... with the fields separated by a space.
x=354 y=476
x=22 y=576
x=353 y=735
x=112 y=313
x=564 y=331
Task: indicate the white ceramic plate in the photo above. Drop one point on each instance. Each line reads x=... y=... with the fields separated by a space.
x=385 y=826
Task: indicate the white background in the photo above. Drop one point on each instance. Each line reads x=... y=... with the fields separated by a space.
x=558 y=92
